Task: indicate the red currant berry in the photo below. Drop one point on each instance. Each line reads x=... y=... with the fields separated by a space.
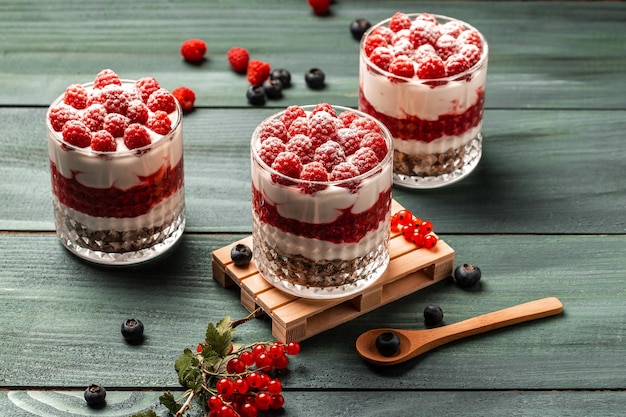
x=274 y=387
x=404 y=217
x=276 y=351
x=418 y=239
x=277 y=401
x=225 y=387
x=258 y=349
x=264 y=400
x=254 y=380
x=214 y=402
x=426 y=227
x=280 y=362
x=265 y=379
x=430 y=241
x=241 y=386
x=247 y=358
x=226 y=411
x=248 y=410
x=235 y=366
x=264 y=361
x=394 y=224
x=199 y=348
x=407 y=232
x=293 y=348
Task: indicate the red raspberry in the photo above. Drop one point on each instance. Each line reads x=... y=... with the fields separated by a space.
x=76 y=133
x=159 y=123
x=330 y=154
x=300 y=126
x=238 y=58
x=471 y=53
x=424 y=52
x=456 y=64
x=136 y=136
x=103 y=141
x=258 y=71
x=385 y=32
x=322 y=128
x=301 y=145
x=289 y=165
x=347 y=117
x=431 y=68
x=372 y=42
x=290 y=114
x=61 y=114
x=423 y=32
x=115 y=124
x=320 y=7
x=313 y=171
x=452 y=28
x=445 y=46
x=146 y=86
x=382 y=57
x=377 y=143
x=106 y=77
x=402 y=67
x=137 y=112
x=93 y=117
x=470 y=37
x=343 y=172
x=349 y=140
x=193 y=50
x=95 y=97
x=76 y=96
x=365 y=125
x=114 y=100
x=365 y=159
x=163 y=100
x=275 y=128
x=403 y=47
x=328 y=108
x=185 y=96
x=427 y=17
x=270 y=149
x=399 y=21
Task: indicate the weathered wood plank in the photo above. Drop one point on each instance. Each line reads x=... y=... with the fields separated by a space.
x=60 y=319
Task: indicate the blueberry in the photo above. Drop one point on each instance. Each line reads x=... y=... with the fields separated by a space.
x=433 y=315
x=256 y=95
x=466 y=275
x=95 y=396
x=315 y=78
x=132 y=330
x=358 y=27
x=283 y=75
x=273 y=88
x=388 y=343
x=241 y=254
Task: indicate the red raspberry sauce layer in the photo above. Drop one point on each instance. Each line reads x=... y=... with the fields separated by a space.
x=414 y=128
x=347 y=228
x=114 y=202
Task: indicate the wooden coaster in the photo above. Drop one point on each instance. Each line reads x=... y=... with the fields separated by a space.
x=295 y=319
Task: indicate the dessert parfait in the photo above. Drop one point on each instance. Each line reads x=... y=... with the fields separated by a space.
x=321 y=198
x=116 y=161
x=424 y=77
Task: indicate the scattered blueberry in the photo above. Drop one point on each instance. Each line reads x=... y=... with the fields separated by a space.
x=358 y=27
x=95 y=396
x=283 y=75
x=433 y=315
x=466 y=275
x=241 y=254
x=132 y=330
x=315 y=78
x=273 y=88
x=388 y=343
x=256 y=95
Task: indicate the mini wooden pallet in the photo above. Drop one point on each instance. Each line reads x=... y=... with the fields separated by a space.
x=295 y=319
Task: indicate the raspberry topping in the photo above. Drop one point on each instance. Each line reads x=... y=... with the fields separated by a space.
x=325 y=107
x=372 y=42
x=456 y=64
x=106 y=77
x=313 y=171
x=345 y=171
x=76 y=96
x=431 y=68
x=159 y=122
x=382 y=57
x=329 y=154
x=290 y=114
x=365 y=159
x=103 y=141
x=163 y=100
x=300 y=126
x=185 y=97
x=93 y=117
x=258 y=71
x=114 y=100
x=445 y=46
x=61 y=114
x=137 y=112
x=470 y=37
x=402 y=67
x=301 y=145
x=347 y=117
x=76 y=133
x=238 y=58
x=471 y=53
x=288 y=164
x=115 y=124
x=146 y=86
x=399 y=21
x=273 y=128
x=193 y=50
x=349 y=139
x=322 y=128
x=270 y=149
x=377 y=143
x=136 y=136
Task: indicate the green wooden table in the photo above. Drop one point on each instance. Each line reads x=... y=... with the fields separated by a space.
x=543 y=215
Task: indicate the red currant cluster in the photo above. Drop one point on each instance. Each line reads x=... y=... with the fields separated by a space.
x=414 y=229
x=249 y=388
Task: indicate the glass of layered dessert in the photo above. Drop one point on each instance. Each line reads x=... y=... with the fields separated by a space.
x=321 y=200
x=116 y=160
x=424 y=77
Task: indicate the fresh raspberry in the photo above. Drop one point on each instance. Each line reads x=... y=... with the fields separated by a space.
x=301 y=145
x=95 y=97
x=400 y=36
x=238 y=58
x=470 y=37
x=76 y=133
x=329 y=154
x=146 y=86
x=270 y=149
x=137 y=112
x=290 y=114
x=193 y=50
x=423 y=32
x=114 y=100
x=456 y=64
x=471 y=53
x=365 y=159
x=427 y=17
x=160 y=123
x=385 y=32
x=431 y=68
x=106 y=77
x=382 y=57
x=136 y=136
x=402 y=67
x=103 y=141
x=328 y=108
x=275 y=128
x=115 y=124
x=452 y=28
x=258 y=71
x=300 y=126
x=93 y=117
x=322 y=128
x=315 y=172
x=365 y=125
x=76 y=96
x=445 y=46
x=319 y=7
x=399 y=21
x=349 y=139
x=289 y=165
x=61 y=114
x=343 y=172
x=424 y=52
x=347 y=117
x=163 y=100
x=404 y=47
x=372 y=42
x=185 y=96
x=377 y=143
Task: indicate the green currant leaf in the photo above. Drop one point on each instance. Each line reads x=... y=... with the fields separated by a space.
x=220 y=337
x=168 y=400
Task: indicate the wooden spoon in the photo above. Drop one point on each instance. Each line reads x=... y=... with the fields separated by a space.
x=416 y=342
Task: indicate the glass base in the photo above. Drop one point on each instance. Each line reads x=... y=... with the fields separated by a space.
x=468 y=159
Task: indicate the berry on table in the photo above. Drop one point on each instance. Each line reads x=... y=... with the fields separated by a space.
x=132 y=331
x=467 y=275
x=238 y=58
x=258 y=71
x=315 y=79
x=358 y=27
x=283 y=75
x=256 y=95
x=241 y=254
x=433 y=315
x=185 y=97
x=388 y=343
x=193 y=50
x=320 y=7
x=95 y=396
x=273 y=88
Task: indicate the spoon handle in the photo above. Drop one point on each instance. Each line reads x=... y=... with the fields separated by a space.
x=480 y=324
